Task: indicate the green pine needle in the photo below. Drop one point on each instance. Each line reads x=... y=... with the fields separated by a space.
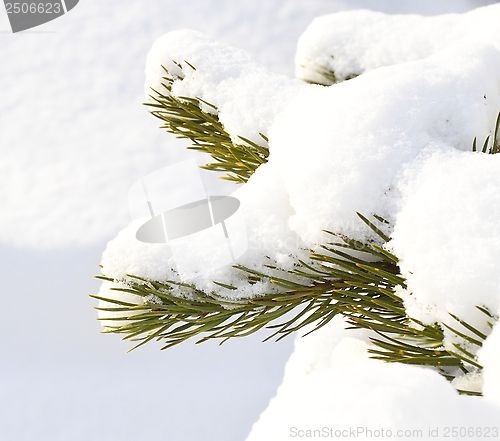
x=185 y=118
x=494 y=148
x=334 y=281
x=358 y=280
x=328 y=76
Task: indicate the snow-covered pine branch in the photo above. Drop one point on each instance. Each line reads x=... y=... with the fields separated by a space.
x=394 y=141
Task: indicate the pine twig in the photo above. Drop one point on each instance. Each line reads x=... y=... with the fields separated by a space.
x=184 y=117
x=327 y=75
x=360 y=286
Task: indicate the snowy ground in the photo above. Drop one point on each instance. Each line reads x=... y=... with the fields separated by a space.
x=73 y=138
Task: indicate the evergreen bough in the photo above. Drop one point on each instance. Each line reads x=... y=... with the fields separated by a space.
x=183 y=116
x=355 y=279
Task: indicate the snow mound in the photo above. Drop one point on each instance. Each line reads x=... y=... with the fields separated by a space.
x=353 y=42
x=336 y=391
x=339 y=149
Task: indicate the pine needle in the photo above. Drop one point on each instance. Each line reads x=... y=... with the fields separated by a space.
x=184 y=117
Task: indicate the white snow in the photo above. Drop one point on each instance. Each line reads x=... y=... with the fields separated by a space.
x=448 y=238
x=74 y=137
x=489 y=356
x=247 y=95
x=354 y=42
x=346 y=391
x=339 y=149
x=67 y=166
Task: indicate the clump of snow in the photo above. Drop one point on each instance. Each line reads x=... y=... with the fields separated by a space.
x=353 y=42
x=339 y=149
x=471 y=382
x=87 y=78
x=447 y=237
x=247 y=95
x=313 y=352
x=74 y=137
x=127 y=255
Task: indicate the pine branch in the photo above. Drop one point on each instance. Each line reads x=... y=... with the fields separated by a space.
x=174 y=319
x=185 y=118
x=361 y=286
x=355 y=279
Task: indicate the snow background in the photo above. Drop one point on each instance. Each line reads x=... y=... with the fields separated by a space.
x=73 y=138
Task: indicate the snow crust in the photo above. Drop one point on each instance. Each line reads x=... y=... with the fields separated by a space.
x=354 y=42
